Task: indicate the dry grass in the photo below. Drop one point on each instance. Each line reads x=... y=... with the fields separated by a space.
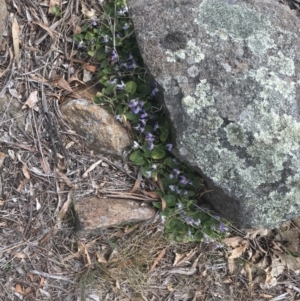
x=41 y=255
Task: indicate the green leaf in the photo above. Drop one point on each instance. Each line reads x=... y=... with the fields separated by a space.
x=169 y=162
x=135 y=155
x=170 y=200
x=164 y=135
x=158 y=152
x=130 y=87
x=147 y=106
x=91 y=53
x=108 y=90
x=139 y=161
x=157 y=205
x=144 y=90
x=131 y=116
x=100 y=54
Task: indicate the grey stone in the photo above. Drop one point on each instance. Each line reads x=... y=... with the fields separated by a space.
x=101 y=131
x=93 y=214
x=230 y=76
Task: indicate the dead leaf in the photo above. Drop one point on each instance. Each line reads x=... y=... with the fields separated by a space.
x=163 y=204
x=183 y=259
x=233 y=241
x=52 y=4
x=231 y=265
x=16 y=39
x=2 y=158
x=45 y=165
x=160 y=184
x=137 y=182
x=100 y=257
x=238 y=251
x=26 y=172
x=65 y=178
x=252 y=233
x=248 y=270
x=82 y=249
x=151 y=194
x=88 y=13
x=92 y=167
x=19 y=289
x=158 y=259
x=31 y=100
x=292 y=237
x=48 y=29
x=90 y=68
x=64 y=209
x=64 y=84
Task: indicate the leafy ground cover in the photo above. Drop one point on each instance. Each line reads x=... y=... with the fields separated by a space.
x=50 y=50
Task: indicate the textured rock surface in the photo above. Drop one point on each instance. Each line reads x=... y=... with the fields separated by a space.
x=101 y=131
x=3 y=12
x=96 y=213
x=230 y=74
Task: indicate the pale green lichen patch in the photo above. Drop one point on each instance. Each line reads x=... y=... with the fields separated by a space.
x=191 y=51
x=282 y=64
x=271 y=81
x=260 y=42
x=238 y=21
x=204 y=95
x=236 y=135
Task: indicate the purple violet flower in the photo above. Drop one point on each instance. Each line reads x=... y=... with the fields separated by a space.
x=126 y=26
x=144 y=115
x=113 y=82
x=154 y=91
x=179 y=206
x=143 y=122
x=119 y=118
x=132 y=65
x=141 y=103
x=156 y=126
x=137 y=109
x=169 y=146
x=105 y=38
x=121 y=86
x=222 y=228
x=171 y=176
x=114 y=55
x=172 y=187
x=80 y=44
x=185 y=193
x=197 y=222
x=183 y=180
x=177 y=190
x=176 y=172
x=150 y=146
x=135 y=145
x=189 y=220
x=130 y=57
x=133 y=103
x=149 y=137
x=94 y=21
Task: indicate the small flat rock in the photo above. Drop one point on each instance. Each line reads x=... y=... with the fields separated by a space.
x=98 y=213
x=101 y=131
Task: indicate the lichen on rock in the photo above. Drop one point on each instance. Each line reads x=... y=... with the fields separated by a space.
x=232 y=94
